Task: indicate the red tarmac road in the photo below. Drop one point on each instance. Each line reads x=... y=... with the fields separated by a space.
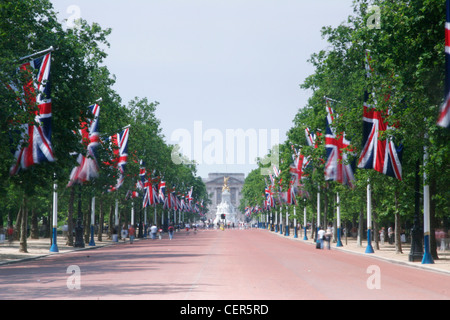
x=218 y=265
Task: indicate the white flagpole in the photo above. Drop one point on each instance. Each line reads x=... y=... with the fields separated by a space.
x=369 y=248
x=318 y=216
x=132 y=213
x=92 y=242
x=295 y=224
x=427 y=258
x=305 y=237
x=287 y=223
x=54 y=247
x=116 y=222
x=51 y=49
x=338 y=214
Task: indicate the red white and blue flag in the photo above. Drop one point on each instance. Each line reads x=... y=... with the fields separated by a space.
x=297 y=168
x=162 y=191
x=380 y=155
x=337 y=167
x=88 y=168
x=37 y=93
x=444 y=112
x=120 y=143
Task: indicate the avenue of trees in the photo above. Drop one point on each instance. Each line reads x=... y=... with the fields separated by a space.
x=78 y=79
x=405 y=40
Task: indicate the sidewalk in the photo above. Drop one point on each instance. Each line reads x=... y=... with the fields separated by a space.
x=38 y=248
x=386 y=251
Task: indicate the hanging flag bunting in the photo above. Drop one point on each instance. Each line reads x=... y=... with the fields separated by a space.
x=37 y=93
x=88 y=165
x=337 y=167
x=444 y=112
x=120 y=150
x=380 y=155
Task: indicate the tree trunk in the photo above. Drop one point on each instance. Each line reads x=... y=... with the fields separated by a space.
x=24 y=227
x=100 y=221
x=398 y=243
x=18 y=223
x=360 y=229
x=433 y=221
x=34 y=225
x=70 y=218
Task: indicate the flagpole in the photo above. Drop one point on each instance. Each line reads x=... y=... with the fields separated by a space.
x=116 y=222
x=305 y=237
x=281 y=220
x=276 y=221
x=295 y=224
x=318 y=217
x=287 y=222
x=51 y=49
x=54 y=247
x=369 y=248
x=427 y=258
x=92 y=242
x=338 y=214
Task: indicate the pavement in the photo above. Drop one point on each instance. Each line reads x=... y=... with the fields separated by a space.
x=37 y=248
x=385 y=251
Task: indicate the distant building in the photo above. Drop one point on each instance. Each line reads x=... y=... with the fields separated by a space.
x=214 y=184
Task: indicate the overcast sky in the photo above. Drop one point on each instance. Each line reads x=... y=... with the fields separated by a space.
x=214 y=65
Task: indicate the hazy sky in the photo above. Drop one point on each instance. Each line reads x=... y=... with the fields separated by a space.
x=216 y=67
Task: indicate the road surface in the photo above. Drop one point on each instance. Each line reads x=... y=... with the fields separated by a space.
x=217 y=265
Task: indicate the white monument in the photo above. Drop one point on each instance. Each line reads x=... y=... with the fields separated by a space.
x=225 y=207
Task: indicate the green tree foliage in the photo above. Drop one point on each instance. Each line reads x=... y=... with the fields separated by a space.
x=79 y=78
x=408 y=69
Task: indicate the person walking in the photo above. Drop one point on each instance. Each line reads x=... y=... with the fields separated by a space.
x=124 y=233
x=382 y=235
x=132 y=233
x=153 y=231
x=328 y=235
x=171 y=232
x=320 y=236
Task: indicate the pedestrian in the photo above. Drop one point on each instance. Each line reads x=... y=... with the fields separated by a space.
x=320 y=236
x=328 y=235
x=171 y=232
x=160 y=232
x=124 y=233
x=10 y=233
x=382 y=235
x=391 y=235
x=153 y=230
x=132 y=233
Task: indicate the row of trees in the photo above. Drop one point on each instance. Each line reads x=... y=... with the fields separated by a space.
x=408 y=66
x=78 y=79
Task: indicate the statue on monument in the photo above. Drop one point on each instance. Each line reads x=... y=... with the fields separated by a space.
x=225 y=184
x=226 y=208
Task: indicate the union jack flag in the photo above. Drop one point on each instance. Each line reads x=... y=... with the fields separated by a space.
x=300 y=162
x=37 y=93
x=291 y=194
x=88 y=165
x=120 y=142
x=162 y=191
x=380 y=155
x=269 y=197
x=444 y=113
x=337 y=167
